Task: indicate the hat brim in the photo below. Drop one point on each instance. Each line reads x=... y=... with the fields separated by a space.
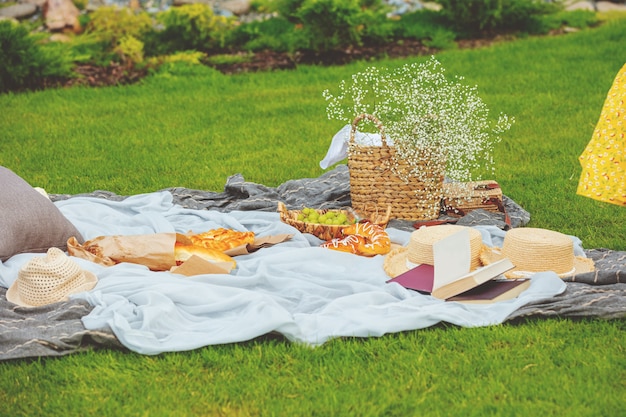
x=490 y=255
x=395 y=262
x=13 y=294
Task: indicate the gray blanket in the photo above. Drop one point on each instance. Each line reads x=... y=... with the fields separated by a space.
x=57 y=329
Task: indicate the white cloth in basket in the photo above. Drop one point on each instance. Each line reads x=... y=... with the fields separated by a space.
x=338 y=149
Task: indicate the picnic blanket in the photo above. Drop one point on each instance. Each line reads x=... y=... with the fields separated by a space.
x=296 y=289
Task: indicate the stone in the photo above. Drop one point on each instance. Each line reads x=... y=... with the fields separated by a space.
x=19 y=11
x=61 y=14
x=176 y=3
x=38 y=3
x=607 y=6
x=60 y=37
x=236 y=7
x=429 y=5
x=580 y=5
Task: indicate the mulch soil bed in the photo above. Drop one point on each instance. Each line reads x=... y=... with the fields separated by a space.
x=118 y=74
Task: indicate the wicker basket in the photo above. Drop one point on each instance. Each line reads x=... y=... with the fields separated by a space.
x=374 y=179
x=327 y=232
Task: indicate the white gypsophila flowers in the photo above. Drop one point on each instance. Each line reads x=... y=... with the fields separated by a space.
x=431 y=120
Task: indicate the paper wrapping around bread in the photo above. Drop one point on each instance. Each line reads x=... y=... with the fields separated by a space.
x=156 y=251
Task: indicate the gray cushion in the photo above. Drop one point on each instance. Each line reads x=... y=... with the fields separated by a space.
x=29 y=222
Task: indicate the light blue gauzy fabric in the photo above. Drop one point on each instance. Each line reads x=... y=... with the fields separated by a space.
x=297 y=289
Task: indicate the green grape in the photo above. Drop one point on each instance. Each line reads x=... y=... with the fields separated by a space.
x=330 y=217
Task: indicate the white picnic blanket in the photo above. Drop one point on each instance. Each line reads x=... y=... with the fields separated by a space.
x=297 y=289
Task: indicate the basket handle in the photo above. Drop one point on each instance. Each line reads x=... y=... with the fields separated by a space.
x=374 y=120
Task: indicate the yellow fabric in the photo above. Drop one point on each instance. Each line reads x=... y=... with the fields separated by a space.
x=604 y=160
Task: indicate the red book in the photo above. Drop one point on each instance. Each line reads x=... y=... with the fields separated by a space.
x=494 y=290
x=419 y=278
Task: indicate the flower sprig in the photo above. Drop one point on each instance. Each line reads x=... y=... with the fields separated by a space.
x=426 y=116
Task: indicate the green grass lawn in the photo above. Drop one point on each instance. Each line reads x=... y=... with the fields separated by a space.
x=195 y=127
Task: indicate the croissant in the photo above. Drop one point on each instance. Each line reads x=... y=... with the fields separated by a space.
x=222 y=239
x=363 y=238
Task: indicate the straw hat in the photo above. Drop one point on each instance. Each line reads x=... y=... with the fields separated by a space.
x=420 y=248
x=49 y=279
x=536 y=250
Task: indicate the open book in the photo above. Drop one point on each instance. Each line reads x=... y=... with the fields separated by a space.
x=451 y=275
x=471 y=279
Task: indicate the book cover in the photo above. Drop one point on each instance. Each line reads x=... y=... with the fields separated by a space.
x=492 y=291
x=419 y=278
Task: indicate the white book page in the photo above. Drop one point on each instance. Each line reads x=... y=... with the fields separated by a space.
x=453 y=258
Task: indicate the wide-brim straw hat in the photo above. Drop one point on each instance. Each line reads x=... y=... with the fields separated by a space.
x=49 y=279
x=534 y=250
x=419 y=250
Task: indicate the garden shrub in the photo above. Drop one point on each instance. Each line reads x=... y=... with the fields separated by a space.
x=115 y=23
x=487 y=17
x=81 y=4
x=377 y=28
x=190 y=27
x=130 y=50
x=89 y=48
x=287 y=9
x=332 y=24
x=441 y=39
x=574 y=18
x=181 y=68
x=276 y=34
x=424 y=25
x=577 y=18
x=27 y=61
x=118 y=31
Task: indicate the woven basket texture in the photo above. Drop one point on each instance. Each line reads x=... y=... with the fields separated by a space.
x=374 y=178
x=328 y=232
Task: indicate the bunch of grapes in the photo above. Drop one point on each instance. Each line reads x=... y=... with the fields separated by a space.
x=331 y=217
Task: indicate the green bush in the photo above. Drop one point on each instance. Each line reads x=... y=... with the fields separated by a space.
x=114 y=23
x=579 y=18
x=276 y=34
x=487 y=17
x=441 y=39
x=287 y=9
x=376 y=27
x=575 y=18
x=92 y=49
x=317 y=25
x=332 y=24
x=27 y=61
x=190 y=27
x=424 y=25
x=118 y=34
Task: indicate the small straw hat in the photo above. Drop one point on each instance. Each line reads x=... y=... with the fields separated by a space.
x=534 y=250
x=49 y=279
x=420 y=248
